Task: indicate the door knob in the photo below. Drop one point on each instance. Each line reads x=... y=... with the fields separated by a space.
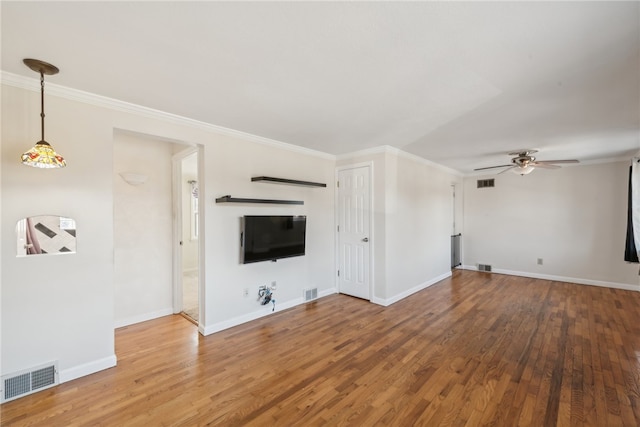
x=366 y=239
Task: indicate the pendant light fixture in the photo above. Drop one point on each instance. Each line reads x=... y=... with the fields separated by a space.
x=42 y=155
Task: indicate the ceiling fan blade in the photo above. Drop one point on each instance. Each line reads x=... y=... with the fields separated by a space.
x=557 y=161
x=493 y=167
x=543 y=165
x=508 y=169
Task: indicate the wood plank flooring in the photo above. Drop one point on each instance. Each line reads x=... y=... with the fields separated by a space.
x=476 y=349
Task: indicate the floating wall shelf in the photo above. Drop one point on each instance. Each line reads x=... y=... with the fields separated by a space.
x=288 y=181
x=229 y=199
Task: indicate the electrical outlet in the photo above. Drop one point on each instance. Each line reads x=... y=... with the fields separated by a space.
x=246 y=292
x=539 y=261
x=273 y=285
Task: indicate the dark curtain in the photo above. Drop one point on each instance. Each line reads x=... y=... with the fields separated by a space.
x=630 y=252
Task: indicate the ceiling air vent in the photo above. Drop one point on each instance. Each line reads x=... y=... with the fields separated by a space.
x=484 y=183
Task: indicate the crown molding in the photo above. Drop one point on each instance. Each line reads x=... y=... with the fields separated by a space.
x=89 y=98
x=365 y=152
x=600 y=161
x=407 y=155
x=388 y=149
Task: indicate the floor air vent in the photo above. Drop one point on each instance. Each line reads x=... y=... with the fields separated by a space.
x=26 y=382
x=484 y=267
x=310 y=294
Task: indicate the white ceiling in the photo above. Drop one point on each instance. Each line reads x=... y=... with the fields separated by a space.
x=457 y=83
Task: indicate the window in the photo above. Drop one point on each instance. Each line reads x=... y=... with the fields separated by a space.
x=194 y=209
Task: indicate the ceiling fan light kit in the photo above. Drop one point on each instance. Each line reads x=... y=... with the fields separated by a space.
x=524 y=163
x=523 y=170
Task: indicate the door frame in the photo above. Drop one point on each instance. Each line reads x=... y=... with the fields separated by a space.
x=176 y=166
x=369 y=166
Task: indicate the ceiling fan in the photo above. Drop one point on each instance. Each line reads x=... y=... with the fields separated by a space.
x=524 y=163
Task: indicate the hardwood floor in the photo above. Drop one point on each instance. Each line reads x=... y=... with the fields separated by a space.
x=476 y=349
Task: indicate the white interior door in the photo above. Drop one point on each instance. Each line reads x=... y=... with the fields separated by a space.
x=354 y=233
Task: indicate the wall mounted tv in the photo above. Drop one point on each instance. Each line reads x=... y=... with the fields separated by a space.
x=269 y=238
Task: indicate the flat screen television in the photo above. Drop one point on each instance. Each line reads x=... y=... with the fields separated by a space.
x=269 y=238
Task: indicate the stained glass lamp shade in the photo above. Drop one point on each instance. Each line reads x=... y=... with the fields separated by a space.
x=42 y=155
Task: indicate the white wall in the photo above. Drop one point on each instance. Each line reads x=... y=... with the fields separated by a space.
x=2 y=105
x=231 y=168
x=227 y=164
x=419 y=224
x=142 y=229
x=62 y=307
x=68 y=313
x=57 y=307
x=412 y=221
x=573 y=218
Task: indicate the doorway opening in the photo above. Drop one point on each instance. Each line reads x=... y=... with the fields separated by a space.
x=456 y=238
x=187 y=295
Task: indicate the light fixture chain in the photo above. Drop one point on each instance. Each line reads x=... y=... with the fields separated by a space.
x=42 y=103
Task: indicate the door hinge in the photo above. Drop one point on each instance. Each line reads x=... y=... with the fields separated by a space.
x=338 y=184
x=338 y=229
x=338 y=273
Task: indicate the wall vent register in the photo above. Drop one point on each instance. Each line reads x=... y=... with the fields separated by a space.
x=23 y=383
x=310 y=294
x=486 y=183
x=484 y=267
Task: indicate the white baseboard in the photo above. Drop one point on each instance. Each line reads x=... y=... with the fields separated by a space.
x=263 y=312
x=577 y=280
x=143 y=317
x=388 y=301
x=327 y=292
x=87 y=368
